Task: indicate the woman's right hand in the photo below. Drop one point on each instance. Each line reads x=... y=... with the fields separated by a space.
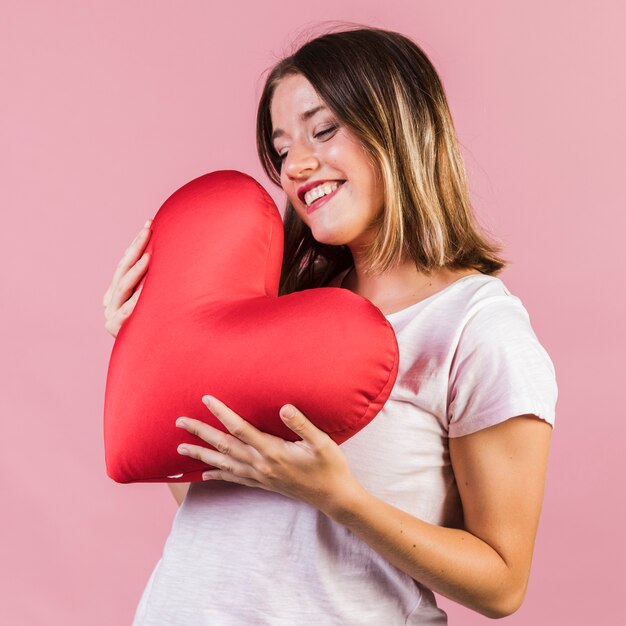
x=119 y=300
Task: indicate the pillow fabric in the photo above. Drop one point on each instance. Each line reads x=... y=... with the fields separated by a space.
x=209 y=321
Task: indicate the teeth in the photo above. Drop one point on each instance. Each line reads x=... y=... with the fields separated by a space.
x=319 y=191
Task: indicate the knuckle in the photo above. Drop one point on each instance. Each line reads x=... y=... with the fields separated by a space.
x=238 y=431
x=223 y=447
x=266 y=470
x=271 y=455
x=298 y=426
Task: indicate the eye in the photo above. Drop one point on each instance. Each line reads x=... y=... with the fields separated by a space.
x=322 y=133
x=326 y=131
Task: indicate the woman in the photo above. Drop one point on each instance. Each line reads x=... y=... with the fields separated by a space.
x=442 y=491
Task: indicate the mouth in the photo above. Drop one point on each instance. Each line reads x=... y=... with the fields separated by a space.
x=316 y=204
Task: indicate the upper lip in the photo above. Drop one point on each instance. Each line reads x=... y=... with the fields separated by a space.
x=314 y=183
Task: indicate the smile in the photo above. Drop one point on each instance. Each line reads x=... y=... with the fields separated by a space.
x=321 y=201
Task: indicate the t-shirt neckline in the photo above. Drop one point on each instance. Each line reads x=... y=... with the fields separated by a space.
x=433 y=296
x=442 y=291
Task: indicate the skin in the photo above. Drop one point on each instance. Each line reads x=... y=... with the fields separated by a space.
x=500 y=471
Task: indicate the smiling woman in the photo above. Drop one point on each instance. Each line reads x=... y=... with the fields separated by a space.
x=442 y=490
x=371 y=113
x=345 y=193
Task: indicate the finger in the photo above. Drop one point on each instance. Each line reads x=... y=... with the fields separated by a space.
x=239 y=427
x=232 y=478
x=215 y=459
x=114 y=323
x=129 y=306
x=127 y=285
x=129 y=258
x=302 y=426
x=224 y=443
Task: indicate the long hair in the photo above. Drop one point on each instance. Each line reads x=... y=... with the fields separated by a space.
x=384 y=88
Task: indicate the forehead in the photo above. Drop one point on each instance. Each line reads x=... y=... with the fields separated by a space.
x=293 y=89
x=294 y=100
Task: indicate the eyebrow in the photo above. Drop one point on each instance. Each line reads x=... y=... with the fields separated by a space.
x=307 y=115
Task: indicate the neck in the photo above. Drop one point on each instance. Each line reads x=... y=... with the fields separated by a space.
x=399 y=282
x=402 y=285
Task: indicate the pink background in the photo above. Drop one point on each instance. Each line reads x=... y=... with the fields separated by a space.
x=108 y=107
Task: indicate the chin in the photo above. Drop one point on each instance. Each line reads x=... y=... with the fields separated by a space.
x=328 y=241
x=327 y=236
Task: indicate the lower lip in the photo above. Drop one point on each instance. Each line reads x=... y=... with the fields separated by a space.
x=322 y=201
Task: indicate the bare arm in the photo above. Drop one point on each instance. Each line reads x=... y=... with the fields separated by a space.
x=179 y=491
x=500 y=472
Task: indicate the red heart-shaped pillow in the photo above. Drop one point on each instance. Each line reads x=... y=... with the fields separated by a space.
x=209 y=321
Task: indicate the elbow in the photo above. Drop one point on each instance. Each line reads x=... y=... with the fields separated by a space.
x=500 y=611
x=504 y=605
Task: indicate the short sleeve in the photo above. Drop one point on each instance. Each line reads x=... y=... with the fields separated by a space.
x=499 y=369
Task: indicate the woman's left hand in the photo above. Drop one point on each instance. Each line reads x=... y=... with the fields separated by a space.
x=313 y=470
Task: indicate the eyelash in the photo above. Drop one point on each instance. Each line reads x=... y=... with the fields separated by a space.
x=330 y=129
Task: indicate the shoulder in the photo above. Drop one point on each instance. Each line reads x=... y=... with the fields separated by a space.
x=490 y=306
x=499 y=367
x=493 y=323
x=480 y=291
x=492 y=316
x=478 y=305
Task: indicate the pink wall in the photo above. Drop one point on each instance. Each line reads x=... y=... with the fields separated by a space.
x=107 y=107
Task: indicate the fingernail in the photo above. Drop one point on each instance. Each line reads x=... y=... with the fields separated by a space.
x=147 y=224
x=181 y=422
x=208 y=400
x=183 y=450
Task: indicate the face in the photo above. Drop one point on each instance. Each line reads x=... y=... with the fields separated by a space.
x=314 y=148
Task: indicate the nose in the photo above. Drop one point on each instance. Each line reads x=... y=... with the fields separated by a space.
x=300 y=160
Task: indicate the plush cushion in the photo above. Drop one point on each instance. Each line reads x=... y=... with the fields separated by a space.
x=209 y=321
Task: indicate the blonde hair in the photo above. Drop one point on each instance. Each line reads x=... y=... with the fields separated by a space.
x=384 y=88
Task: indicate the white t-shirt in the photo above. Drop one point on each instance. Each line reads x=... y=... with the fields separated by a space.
x=239 y=556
